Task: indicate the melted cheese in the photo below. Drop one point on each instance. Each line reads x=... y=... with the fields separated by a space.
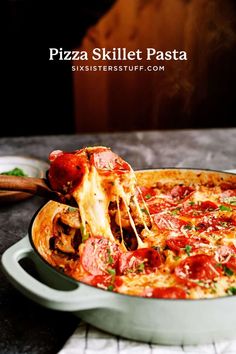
x=93 y=205
x=93 y=197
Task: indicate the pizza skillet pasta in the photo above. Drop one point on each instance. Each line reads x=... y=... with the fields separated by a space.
x=161 y=237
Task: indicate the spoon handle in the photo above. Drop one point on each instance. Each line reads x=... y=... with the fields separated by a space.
x=30 y=185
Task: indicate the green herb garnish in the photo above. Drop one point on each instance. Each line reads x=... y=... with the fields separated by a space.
x=145 y=211
x=85 y=237
x=197 y=228
x=176 y=258
x=84 y=234
x=113 y=274
x=231 y=290
x=141 y=267
x=71 y=209
x=224 y=223
x=15 y=172
x=148 y=196
x=191 y=203
x=219 y=265
x=110 y=288
x=187 y=249
x=224 y=208
x=111 y=271
x=230 y=200
x=228 y=271
x=175 y=211
x=110 y=258
x=188 y=227
x=213 y=290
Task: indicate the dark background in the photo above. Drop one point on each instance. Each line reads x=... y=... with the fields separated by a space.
x=40 y=96
x=40 y=92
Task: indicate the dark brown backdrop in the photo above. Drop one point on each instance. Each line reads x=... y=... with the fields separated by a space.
x=199 y=93
x=43 y=97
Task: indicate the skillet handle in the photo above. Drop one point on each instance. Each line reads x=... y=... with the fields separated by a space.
x=83 y=297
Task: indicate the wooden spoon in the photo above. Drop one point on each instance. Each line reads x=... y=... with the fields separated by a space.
x=31 y=185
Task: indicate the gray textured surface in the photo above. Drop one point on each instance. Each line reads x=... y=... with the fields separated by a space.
x=24 y=326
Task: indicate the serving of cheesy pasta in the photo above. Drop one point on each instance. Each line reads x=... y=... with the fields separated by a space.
x=161 y=233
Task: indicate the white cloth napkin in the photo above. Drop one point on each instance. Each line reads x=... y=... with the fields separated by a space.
x=89 y=340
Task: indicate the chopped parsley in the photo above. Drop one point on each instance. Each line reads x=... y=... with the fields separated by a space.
x=224 y=208
x=188 y=249
x=85 y=237
x=224 y=223
x=110 y=258
x=148 y=196
x=71 y=209
x=141 y=267
x=144 y=210
x=213 y=290
x=191 y=203
x=175 y=211
x=232 y=200
x=203 y=284
x=188 y=227
x=110 y=288
x=219 y=265
x=176 y=258
x=231 y=290
x=111 y=271
x=15 y=172
x=84 y=234
x=228 y=271
x=196 y=228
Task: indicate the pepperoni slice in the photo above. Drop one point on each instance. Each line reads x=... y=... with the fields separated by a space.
x=146 y=193
x=227 y=185
x=232 y=262
x=229 y=197
x=109 y=282
x=229 y=193
x=100 y=256
x=180 y=193
x=226 y=255
x=216 y=224
x=107 y=161
x=199 y=209
x=180 y=242
x=224 y=222
x=156 y=208
x=172 y=292
x=143 y=260
x=170 y=222
x=197 y=269
x=176 y=243
x=66 y=170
